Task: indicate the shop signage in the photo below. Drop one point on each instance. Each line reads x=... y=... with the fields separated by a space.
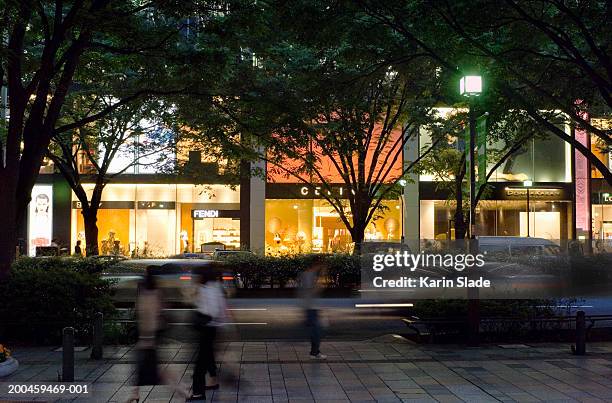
x=205 y=213
x=116 y=204
x=318 y=191
x=535 y=193
x=601 y=198
x=301 y=191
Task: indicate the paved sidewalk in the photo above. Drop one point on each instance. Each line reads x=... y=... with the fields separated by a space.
x=384 y=370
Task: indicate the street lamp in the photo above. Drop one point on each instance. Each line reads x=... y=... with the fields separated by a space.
x=527 y=184
x=470 y=87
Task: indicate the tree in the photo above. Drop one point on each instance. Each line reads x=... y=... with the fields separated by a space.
x=46 y=41
x=124 y=48
x=548 y=58
x=329 y=104
x=131 y=136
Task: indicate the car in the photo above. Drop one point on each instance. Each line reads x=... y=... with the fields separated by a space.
x=518 y=246
x=109 y=258
x=191 y=255
x=219 y=254
x=177 y=278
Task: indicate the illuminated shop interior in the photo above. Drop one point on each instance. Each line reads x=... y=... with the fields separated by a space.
x=313 y=225
x=154 y=220
x=547 y=219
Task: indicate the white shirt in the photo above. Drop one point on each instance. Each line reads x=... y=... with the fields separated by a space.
x=211 y=301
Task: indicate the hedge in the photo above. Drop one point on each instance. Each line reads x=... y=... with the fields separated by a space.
x=256 y=271
x=41 y=296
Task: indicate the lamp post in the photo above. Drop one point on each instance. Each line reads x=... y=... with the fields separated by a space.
x=470 y=87
x=527 y=184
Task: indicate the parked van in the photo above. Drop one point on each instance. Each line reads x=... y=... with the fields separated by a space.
x=518 y=246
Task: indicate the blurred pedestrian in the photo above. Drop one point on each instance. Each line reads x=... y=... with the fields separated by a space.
x=310 y=290
x=210 y=313
x=149 y=306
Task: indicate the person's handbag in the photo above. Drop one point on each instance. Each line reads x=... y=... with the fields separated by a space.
x=200 y=320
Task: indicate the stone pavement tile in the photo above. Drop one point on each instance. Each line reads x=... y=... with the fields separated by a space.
x=255 y=388
x=296 y=385
x=278 y=393
x=97 y=371
x=405 y=384
x=299 y=392
x=26 y=373
x=415 y=398
x=328 y=393
x=446 y=398
x=117 y=373
x=523 y=397
x=254 y=399
x=386 y=399
x=222 y=395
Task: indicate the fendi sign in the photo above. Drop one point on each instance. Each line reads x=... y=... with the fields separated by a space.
x=205 y=213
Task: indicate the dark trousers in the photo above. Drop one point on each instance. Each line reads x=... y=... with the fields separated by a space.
x=205 y=362
x=314 y=326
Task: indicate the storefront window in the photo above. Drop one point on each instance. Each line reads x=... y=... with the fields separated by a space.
x=547 y=219
x=157 y=220
x=599 y=147
x=602 y=222
x=542 y=159
x=304 y=226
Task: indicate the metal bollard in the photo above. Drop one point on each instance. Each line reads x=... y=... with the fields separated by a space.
x=98 y=337
x=580 y=333
x=68 y=354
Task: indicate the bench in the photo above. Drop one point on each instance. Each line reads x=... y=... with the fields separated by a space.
x=427 y=329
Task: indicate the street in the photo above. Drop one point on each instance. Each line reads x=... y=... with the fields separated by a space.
x=282 y=319
x=344 y=318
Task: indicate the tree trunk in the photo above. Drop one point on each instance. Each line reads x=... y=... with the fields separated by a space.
x=460 y=224
x=90 y=219
x=8 y=223
x=358 y=235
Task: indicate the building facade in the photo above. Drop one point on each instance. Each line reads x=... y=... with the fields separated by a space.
x=148 y=214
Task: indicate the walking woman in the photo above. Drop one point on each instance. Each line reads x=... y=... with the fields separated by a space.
x=210 y=314
x=150 y=323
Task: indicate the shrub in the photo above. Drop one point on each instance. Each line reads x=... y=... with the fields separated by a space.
x=42 y=296
x=281 y=271
x=343 y=270
x=253 y=270
x=120 y=333
x=515 y=308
